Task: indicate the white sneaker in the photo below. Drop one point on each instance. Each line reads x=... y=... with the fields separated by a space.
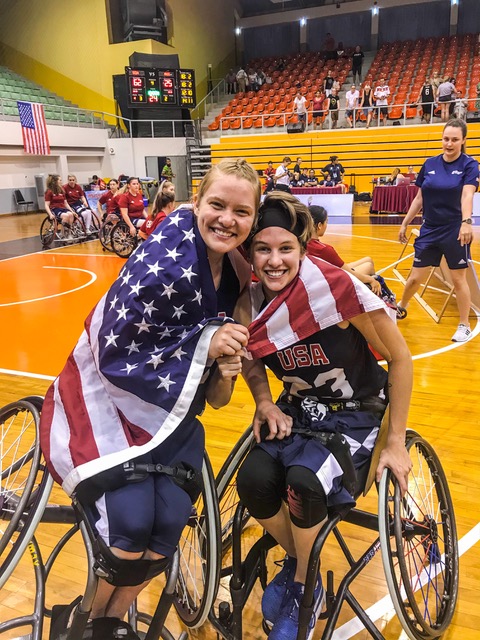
x=462 y=333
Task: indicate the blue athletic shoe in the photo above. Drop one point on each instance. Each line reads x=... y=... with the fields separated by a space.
x=286 y=626
x=275 y=591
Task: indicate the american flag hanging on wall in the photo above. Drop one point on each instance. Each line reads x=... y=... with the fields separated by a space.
x=34 y=128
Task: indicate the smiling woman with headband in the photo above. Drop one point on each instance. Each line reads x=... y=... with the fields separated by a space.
x=312 y=323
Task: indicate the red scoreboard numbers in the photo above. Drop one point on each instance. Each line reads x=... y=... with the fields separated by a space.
x=155 y=87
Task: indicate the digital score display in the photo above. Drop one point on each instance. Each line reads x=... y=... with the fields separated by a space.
x=160 y=87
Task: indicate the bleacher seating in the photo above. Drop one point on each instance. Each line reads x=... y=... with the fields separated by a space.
x=14 y=87
x=273 y=103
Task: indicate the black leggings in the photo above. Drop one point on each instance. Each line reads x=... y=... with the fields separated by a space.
x=263 y=483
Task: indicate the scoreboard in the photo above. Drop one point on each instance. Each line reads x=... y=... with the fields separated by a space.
x=160 y=87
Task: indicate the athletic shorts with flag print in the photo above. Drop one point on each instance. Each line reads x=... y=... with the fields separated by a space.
x=435 y=242
x=360 y=429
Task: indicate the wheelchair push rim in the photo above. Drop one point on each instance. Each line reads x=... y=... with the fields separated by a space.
x=48 y=231
x=123 y=243
x=419 y=544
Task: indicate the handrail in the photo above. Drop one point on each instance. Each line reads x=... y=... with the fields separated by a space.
x=209 y=99
x=283 y=119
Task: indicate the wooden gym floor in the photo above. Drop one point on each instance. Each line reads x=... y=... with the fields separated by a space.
x=44 y=299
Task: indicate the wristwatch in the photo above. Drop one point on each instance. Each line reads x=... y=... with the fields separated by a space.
x=467 y=220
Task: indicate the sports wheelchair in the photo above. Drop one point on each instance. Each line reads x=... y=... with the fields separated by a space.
x=191 y=577
x=416 y=537
x=54 y=231
x=119 y=238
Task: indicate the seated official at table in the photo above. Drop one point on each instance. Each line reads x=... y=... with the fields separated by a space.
x=329 y=181
x=312 y=180
x=297 y=180
x=393 y=178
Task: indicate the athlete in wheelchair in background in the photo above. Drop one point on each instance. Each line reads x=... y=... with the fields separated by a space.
x=77 y=201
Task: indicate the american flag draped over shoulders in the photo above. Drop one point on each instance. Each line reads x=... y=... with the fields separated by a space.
x=134 y=373
x=320 y=296
x=34 y=128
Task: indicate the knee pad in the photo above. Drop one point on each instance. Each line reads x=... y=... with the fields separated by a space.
x=306 y=498
x=124 y=573
x=261 y=484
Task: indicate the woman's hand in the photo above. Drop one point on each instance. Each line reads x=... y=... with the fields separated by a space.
x=230 y=366
x=465 y=234
x=402 y=234
x=396 y=458
x=279 y=424
x=229 y=340
x=374 y=285
x=133 y=231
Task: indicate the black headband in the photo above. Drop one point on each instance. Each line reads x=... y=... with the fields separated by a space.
x=277 y=216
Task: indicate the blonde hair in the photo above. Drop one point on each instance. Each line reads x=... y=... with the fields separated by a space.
x=239 y=168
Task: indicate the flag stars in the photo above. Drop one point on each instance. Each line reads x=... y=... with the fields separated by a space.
x=179 y=353
x=188 y=273
x=173 y=254
x=166 y=333
x=133 y=347
x=149 y=308
x=157 y=237
x=168 y=290
x=122 y=312
x=143 y=326
x=111 y=339
x=113 y=302
x=165 y=382
x=155 y=360
x=154 y=268
x=198 y=297
x=189 y=235
x=127 y=277
x=140 y=257
x=129 y=367
x=135 y=289
x=175 y=219
x=178 y=311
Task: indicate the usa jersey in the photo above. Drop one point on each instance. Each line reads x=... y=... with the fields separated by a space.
x=332 y=364
x=442 y=184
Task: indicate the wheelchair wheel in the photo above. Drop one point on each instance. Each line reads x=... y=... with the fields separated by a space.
x=23 y=481
x=95 y=223
x=78 y=230
x=227 y=487
x=123 y=244
x=199 y=570
x=418 y=541
x=48 y=231
x=105 y=235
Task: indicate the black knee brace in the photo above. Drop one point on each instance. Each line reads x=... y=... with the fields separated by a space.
x=124 y=573
x=306 y=498
x=261 y=484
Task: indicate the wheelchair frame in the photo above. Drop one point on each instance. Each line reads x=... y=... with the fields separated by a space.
x=193 y=575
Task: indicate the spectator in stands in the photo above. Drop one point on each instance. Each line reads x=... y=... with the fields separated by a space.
x=446 y=94
x=329 y=49
x=336 y=85
x=367 y=103
x=242 y=79
x=252 y=80
x=460 y=107
x=328 y=84
x=97 y=183
x=436 y=81
x=351 y=104
x=281 y=65
x=362 y=269
x=269 y=171
x=298 y=166
x=392 y=179
x=447 y=184
x=167 y=171
x=281 y=178
x=333 y=108
x=77 y=201
x=426 y=99
x=131 y=205
x=261 y=78
x=312 y=180
x=318 y=112
x=163 y=206
x=477 y=101
x=357 y=62
x=297 y=180
x=340 y=50
x=56 y=204
x=300 y=108
x=109 y=201
x=381 y=95
x=335 y=169
x=268 y=78
x=231 y=80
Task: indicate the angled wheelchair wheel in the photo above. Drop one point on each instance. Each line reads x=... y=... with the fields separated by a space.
x=199 y=570
x=95 y=223
x=105 y=235
x=226 y=482
x=123 y=244
x=48 y=230
x=419 y=547
x=78 y=230
x=23 y=481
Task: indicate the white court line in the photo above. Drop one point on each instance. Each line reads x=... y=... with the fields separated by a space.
x=385 y=606
x=40 y=376
x=56 y=295
x=42 y=251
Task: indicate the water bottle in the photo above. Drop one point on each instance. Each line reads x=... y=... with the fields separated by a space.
x=378 y=182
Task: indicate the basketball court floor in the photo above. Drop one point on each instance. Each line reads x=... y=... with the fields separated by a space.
x=44 y=299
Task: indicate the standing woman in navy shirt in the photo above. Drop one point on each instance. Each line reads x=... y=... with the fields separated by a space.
x=447 y=184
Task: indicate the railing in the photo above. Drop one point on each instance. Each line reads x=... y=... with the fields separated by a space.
x=406 y=111
x=201 y=110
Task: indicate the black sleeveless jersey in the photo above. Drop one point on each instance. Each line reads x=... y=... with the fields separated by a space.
x=427 y=93
x=367 y=98
x=334 y=363
x=328 y=83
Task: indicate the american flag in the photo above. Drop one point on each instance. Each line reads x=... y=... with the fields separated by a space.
x=134 y=373
x=320 y=296
x=34 y=128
